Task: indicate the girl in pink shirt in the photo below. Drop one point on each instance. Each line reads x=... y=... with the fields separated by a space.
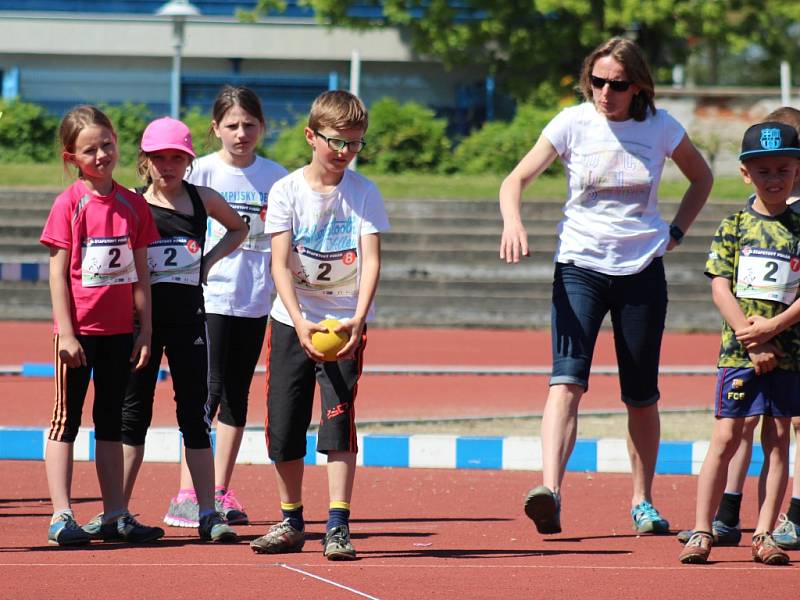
x=97 y=233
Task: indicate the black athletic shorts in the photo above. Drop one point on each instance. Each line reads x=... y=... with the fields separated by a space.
x=291 y=377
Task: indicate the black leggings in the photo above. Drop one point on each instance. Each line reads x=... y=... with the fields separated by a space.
x=235 y=345
x=187 y=354
x=108 y=364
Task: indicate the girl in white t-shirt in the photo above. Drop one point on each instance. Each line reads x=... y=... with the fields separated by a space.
x=608 y=258
x=238 y=293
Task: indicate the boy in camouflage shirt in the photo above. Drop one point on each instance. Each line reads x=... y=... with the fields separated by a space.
x=754 y=266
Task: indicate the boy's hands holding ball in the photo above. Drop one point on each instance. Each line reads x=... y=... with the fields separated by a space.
x=331 y=339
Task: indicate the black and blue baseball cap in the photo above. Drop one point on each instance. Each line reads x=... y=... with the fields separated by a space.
x=770 y=139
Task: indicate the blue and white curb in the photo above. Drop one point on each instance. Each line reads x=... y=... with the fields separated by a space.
x=24 y=271
x=403 y=451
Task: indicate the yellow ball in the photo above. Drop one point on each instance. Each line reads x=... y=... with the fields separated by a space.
x=329 y=342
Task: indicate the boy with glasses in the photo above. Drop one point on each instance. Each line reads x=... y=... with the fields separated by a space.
x=325 y=222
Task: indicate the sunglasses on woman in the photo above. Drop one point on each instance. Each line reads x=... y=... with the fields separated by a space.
x=617 y=85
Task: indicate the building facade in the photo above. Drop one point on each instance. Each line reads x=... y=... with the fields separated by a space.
x=59 y=53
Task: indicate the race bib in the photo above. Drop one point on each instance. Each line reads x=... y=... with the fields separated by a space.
x=175 y=260
x=254 y=215
x=325 y=273
x=767 y=275
x=107 y=261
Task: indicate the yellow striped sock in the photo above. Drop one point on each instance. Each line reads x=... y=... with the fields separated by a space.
x=291 y=505
x=339 y=504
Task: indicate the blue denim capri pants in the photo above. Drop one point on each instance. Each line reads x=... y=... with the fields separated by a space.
x=638 y=306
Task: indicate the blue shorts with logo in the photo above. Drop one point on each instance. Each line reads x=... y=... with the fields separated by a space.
x=741 y=393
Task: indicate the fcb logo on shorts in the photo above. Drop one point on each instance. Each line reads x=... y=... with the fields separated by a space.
x=737 y=384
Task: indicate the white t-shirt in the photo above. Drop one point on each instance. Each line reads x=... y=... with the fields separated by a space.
x=325 y=256
x=240 y=284
x=611 y=221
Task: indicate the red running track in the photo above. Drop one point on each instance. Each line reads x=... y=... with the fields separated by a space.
x=449 y=534
x=28 y=402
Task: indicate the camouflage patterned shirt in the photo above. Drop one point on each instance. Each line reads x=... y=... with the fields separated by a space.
x=760 y=256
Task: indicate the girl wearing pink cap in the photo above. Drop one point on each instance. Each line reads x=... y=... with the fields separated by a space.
x=178 y=267
x=238 y=291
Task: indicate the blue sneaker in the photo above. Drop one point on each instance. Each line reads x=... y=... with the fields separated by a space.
x=724 y=535
x=787 y=533
x=65 y=531
x=543 y=507
x=647 y=520
x=133 y=532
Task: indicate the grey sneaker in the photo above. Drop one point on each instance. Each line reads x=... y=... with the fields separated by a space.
x=183 y=513
x=281 y=538
x=230 y=507
x=133 y=532
x=337 y=544
x=98 y=531
x=543 y=507
x=213 y=528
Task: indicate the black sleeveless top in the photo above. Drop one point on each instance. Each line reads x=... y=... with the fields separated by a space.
x=179 y=303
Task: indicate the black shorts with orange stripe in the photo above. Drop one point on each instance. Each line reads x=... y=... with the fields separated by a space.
x=291 y=378
x=108 y=365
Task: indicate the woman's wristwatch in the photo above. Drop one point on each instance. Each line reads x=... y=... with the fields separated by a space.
x=676 y=233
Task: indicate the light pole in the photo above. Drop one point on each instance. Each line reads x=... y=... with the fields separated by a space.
x=177 y=10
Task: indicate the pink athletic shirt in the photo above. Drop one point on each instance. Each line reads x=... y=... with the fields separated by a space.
x=100 y=233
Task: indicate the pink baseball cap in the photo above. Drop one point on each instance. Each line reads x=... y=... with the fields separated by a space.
x=167 y=134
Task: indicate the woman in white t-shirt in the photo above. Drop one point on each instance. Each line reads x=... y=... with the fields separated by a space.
x=238 y=294
x=608 y=258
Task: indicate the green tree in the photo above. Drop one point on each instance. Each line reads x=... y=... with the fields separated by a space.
x=129 y=120
x=27 y=132
x=526 y=42
x=405 y=138
x=498 y=145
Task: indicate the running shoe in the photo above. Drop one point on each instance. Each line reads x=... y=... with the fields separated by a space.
x=787 y=533
x=213 y=528
x=697 y=549
x=724 y=535
x=226 y=503
x=543 y=507
x=647 y=520
x=65 y=531
x=133 y=532
x=183 y=512
x=337 y=544
x=766 y=551
x=281 y=538
x=107 y=532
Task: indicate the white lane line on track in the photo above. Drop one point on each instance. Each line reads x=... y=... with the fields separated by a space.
x=361 y=565
x=328 y=581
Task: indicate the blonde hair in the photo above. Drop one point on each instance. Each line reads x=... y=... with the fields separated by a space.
x=143 y=167
x=786 y=115
x=75 y=121
x=338 y=110
x=632 y=59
